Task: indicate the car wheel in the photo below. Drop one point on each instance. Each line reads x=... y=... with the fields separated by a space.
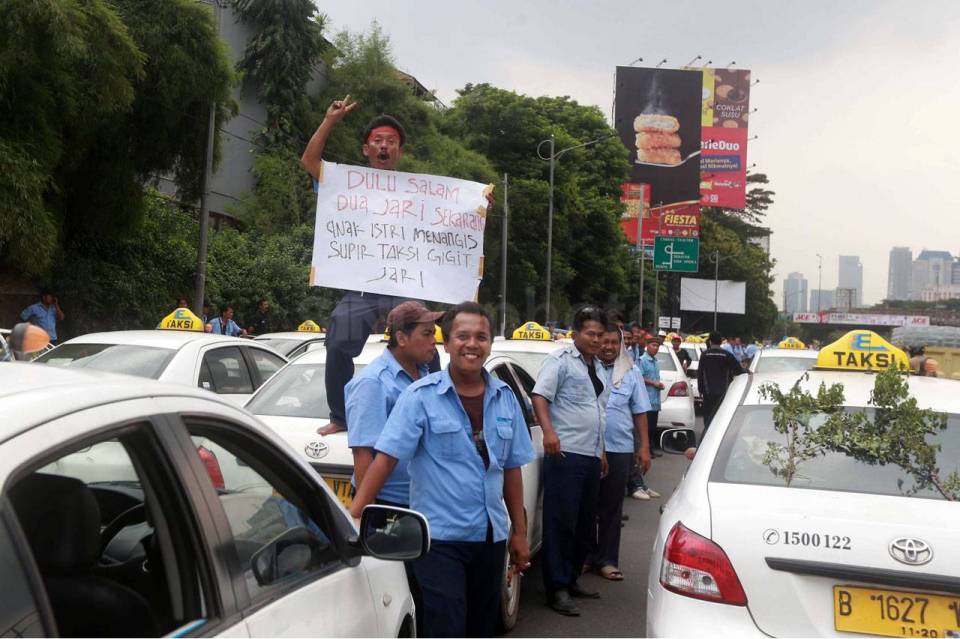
x=509 y=595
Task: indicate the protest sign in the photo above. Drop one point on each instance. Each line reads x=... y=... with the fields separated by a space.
x=395 y=233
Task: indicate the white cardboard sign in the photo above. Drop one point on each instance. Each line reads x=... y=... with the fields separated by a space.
x=394 y=233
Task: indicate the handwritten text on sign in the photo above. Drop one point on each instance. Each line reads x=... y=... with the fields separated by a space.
x=394 y=233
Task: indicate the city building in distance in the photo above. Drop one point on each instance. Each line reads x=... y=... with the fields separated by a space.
x=821 y=300
x=935 y=276
x=849 y=283
x=795 y=293
x=900 y=274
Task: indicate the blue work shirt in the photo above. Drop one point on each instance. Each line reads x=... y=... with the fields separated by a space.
x=370 y=397
x=624 y=402
x=232 y=328
x=43 y=316
x=575 y=410
x=448 y=481
x=650 y=370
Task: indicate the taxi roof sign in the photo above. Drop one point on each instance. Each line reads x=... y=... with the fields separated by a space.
x=862 y=350
x=792 y=342
x=181 y=319
x=309 y=327
x=531 y=330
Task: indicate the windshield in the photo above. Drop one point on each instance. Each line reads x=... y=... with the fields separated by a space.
x=298 y=390
x=774 y=364
x=740 y=459
x=664 y=361
x=128 y=359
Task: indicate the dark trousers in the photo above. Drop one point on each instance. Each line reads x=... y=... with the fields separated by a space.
x=571 y=488
x=351 y=323
x=651 y=429
x=711 y=403
x=610 y=510
x=460 y=582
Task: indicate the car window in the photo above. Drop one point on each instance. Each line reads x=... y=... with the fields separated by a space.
x=224 y=371
x=665 y=361
x=502 y=372
x=279 y=344
x=526 y=386
x=277 y=539
x=111 y=540
x=745 y=443
x=773 y=364
x=692 y=352
x=127 y=359
x=298 y=390
x=267 y=363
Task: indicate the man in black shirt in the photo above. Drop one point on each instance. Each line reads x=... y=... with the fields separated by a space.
x=682 y=355
x=260 y=324
x=717 y=367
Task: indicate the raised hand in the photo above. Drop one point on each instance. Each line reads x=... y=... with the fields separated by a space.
x=339 y=108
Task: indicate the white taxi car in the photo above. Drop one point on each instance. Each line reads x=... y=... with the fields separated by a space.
x=294 y=404
x=204 y=523
x=228 y=366
x=848 y=547
x=783 y=360
x=676 y=400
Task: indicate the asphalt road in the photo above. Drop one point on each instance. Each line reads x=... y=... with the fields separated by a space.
x=621 y=609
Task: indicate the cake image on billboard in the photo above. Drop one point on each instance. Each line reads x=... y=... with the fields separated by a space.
x=658 y=140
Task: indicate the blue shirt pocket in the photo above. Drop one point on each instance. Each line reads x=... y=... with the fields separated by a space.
x=504 y=440
x=446 y=437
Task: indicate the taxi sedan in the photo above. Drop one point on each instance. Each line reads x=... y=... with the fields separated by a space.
x=229 y=366
x=783 y=360
x=846 y=547
x=203 y=523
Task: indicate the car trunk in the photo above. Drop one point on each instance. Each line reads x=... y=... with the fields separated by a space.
x=799 y=551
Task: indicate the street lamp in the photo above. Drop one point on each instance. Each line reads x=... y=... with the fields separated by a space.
x=552 y=159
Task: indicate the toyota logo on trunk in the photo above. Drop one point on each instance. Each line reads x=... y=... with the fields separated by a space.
x=316 y=450
x=911 y=551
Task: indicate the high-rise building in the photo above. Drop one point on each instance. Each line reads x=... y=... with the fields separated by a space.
x=821 y=300
x=932 y=276
x=795 y=293
x=900 y=274
x=850 y=282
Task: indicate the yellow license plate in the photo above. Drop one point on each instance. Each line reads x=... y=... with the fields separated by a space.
x=892 y=613
x=341 y=488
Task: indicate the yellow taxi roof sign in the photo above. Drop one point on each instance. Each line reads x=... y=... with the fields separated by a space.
x=531 y=330
x=862 y=350
x=309 y=327
x=792 y=342
x=181 y=319
x=437 y=335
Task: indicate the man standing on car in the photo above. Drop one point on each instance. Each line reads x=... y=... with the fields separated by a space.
x=650 y=371
x=569 y=399
x=717 y=367
x=466 y=438
x=626 y=414
x=45 y=314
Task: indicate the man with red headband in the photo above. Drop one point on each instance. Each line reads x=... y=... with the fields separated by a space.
x=357 y=313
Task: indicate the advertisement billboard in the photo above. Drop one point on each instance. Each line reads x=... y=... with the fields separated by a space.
x=698 y=295
x=725 y=114
x=674 y=220
x=657 y=113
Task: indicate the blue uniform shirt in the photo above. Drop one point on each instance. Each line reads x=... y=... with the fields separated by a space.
x=650 y=370
x=370 y=397
x=231 y=328
x=625 y=401
x=575 y=410
x=43 y=316
x=448 y=482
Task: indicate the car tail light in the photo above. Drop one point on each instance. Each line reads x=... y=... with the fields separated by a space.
x=213 y=467
x=696 y=567
x=679 y=389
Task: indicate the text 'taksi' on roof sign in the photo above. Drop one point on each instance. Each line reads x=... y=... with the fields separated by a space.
x=531 y=330
x=182 y=319
x=862 y=350
x=309 y=327
x=792 y=342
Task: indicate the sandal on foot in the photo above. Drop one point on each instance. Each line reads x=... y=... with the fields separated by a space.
x=611 y=572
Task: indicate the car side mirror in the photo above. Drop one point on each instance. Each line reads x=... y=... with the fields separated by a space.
x=393 y=533
x=289 y=553
x=676 y=441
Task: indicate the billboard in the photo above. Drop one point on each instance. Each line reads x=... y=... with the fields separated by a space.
x=725 y=115
x=673 y=220
x=657 y=113
x=697 y=295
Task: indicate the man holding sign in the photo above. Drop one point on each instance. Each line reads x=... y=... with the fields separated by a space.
x=382 y=236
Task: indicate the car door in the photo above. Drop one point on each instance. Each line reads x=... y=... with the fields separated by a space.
x=224 y=371
x=288 y=548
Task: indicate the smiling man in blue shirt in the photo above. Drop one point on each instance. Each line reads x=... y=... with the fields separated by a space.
x=465 y=437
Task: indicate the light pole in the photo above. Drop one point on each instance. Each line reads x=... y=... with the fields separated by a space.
x=819 y=282
x=716 y=259
x=552 y=158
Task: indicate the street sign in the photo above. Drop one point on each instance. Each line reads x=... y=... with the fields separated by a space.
x=668 y=322
x=675 y=323
x=680 y=254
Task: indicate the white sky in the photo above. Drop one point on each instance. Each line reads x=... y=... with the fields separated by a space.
x=858 y=105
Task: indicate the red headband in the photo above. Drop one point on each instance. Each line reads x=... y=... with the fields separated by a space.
x=383 y=130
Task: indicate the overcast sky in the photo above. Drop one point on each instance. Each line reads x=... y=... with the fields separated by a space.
x=858 y=105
